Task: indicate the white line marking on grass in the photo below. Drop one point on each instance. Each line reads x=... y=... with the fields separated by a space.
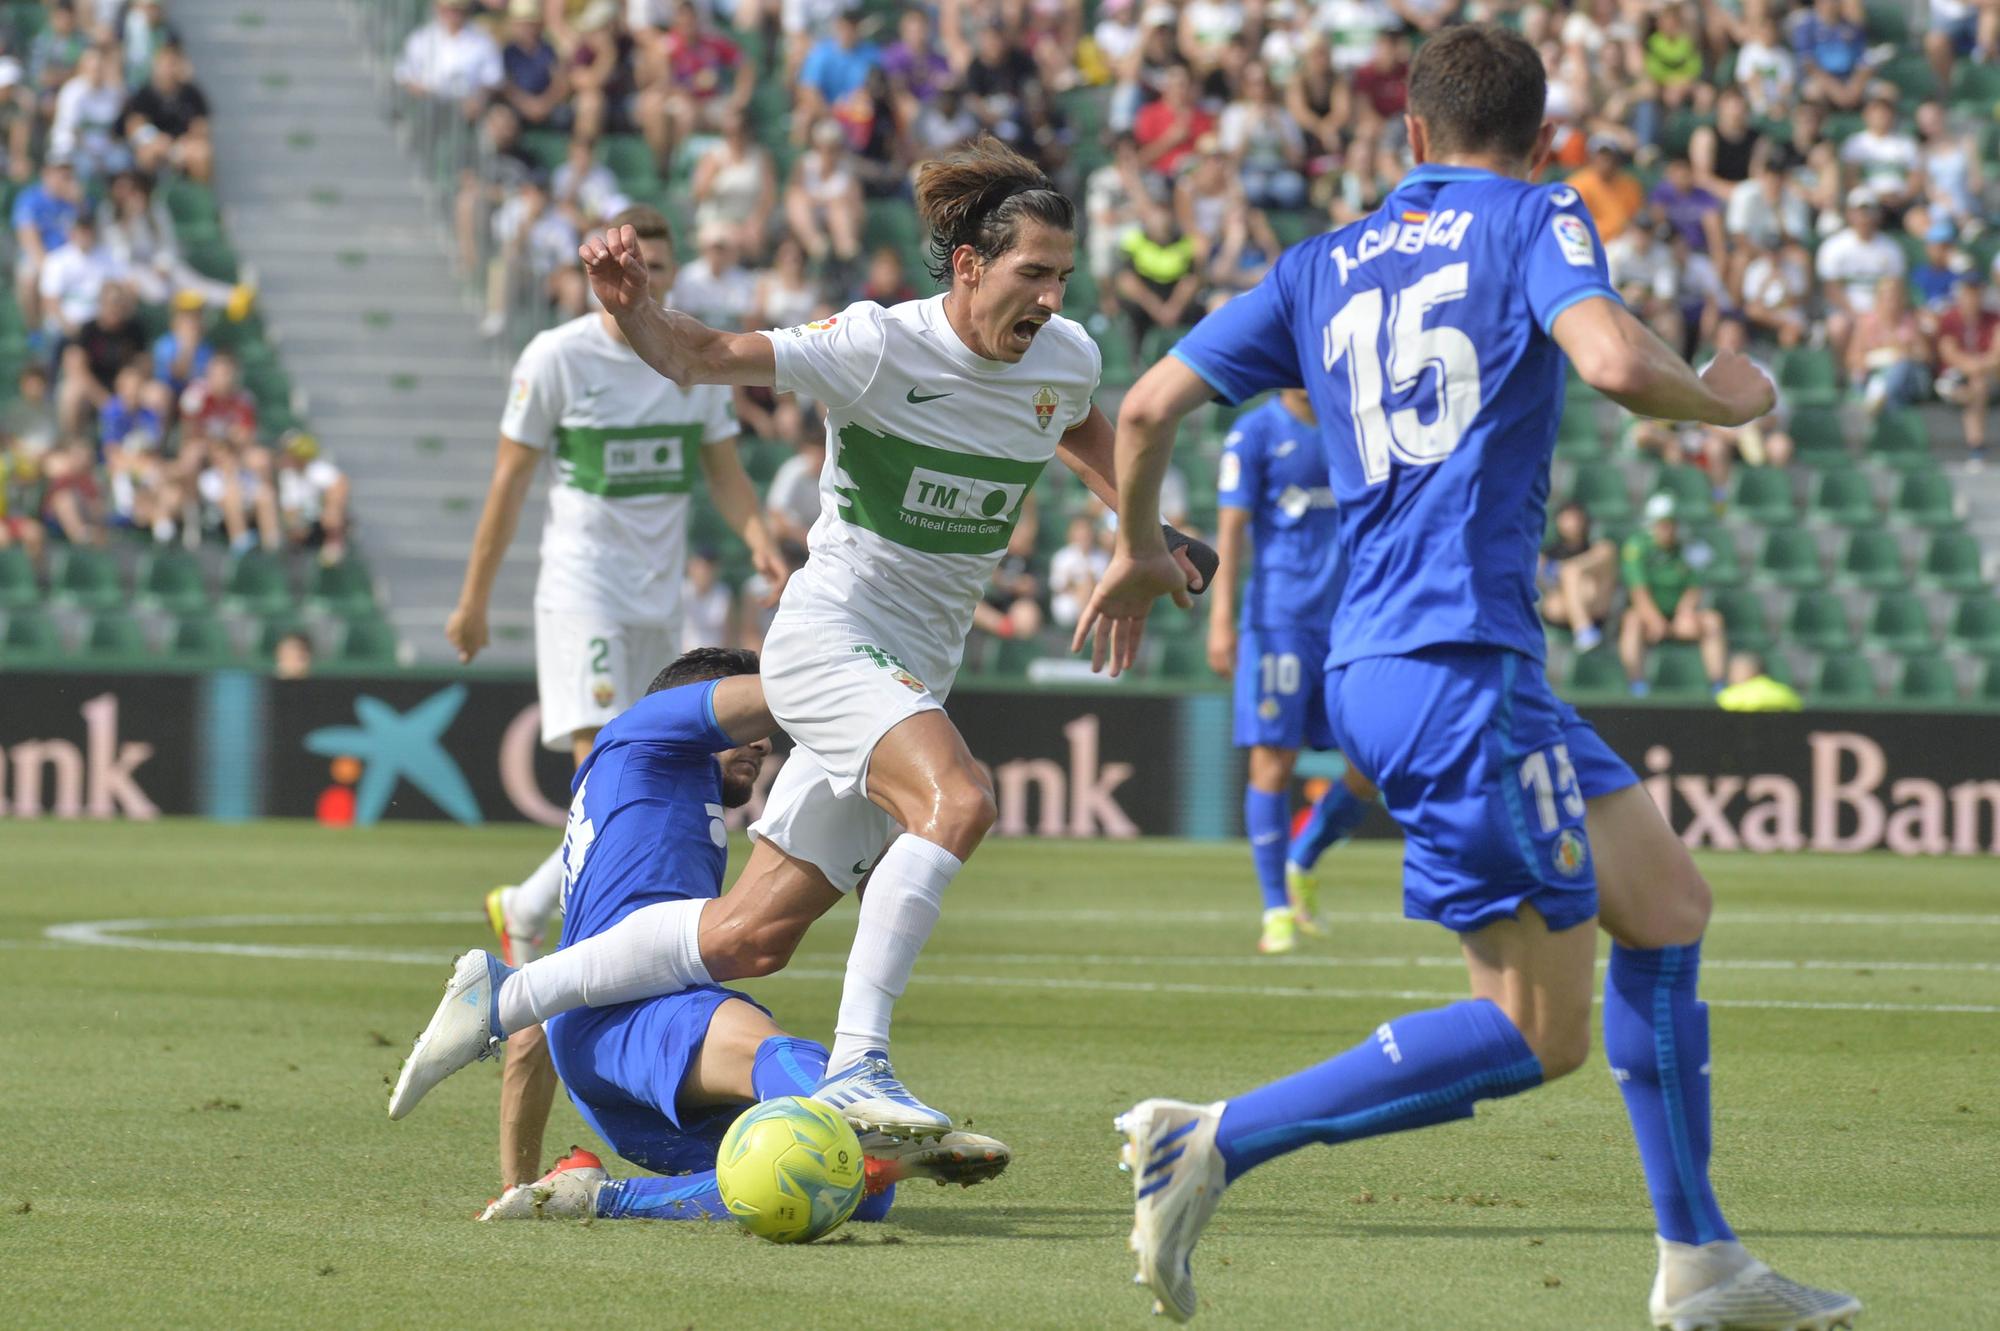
x=1339 y=962
x=1142 y=916
x=122 y=934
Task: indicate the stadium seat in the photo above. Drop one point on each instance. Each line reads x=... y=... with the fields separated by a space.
x=85 y=576
x=1990 y=689
x=1927 y=499
x=1809 y=378
x=1580 y=437
x=274 y=629
x=1901 y=624
x=1844 y=678
x=1976 y=85
x=1674 y=670
x=1600 y=487
x=1764 y=495
x=1791 y=558
x=213 y=258
x=1817 y=436
x=1819 y=621
x=1873 y=559
x=31 y=639
x=200 y=640
x=343 y=590
x=17 y=579
x=1689 y=486
x=1742 y=611
x=256 y=585
x=1952 y=563
x=1899 y=439
x=369 y=641
x=1975 y=625
x=1912 y=73
x=1928 y=678
x=115 y=637
x=1845 y=497
x=1597 y=671
x=170 y=579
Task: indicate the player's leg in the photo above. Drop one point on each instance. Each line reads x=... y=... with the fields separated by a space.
x=1267 y=820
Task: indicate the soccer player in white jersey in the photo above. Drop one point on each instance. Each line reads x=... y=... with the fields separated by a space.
x=941 y=414
x=622 y=446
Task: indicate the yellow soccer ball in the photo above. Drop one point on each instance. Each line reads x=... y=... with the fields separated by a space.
x=790 y=1170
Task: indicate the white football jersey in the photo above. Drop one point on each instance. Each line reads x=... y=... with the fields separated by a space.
x=931 y=451
x=622 y=443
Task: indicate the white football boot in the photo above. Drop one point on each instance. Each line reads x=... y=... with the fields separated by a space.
x=567 y=1192
x=964 y=1158
x=867 y=1094
x=464 y=1029
x=1177 y=1179
x=1746 y=1295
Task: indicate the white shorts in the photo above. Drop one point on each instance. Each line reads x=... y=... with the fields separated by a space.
x=588 y=669
x=840 y=835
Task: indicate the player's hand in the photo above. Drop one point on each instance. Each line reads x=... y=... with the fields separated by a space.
x=616 y=268
x=771 y=566
x=1222 y=648
x=1743 y=392
x=466 y=632
x=1118 y=608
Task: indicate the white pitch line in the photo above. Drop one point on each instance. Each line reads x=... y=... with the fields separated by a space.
x=1336 y=961
x=1144 y=916
x=118 y=934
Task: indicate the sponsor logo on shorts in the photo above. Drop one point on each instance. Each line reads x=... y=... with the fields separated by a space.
x=1570 y=853
x=1268 y=710
x=887 y=661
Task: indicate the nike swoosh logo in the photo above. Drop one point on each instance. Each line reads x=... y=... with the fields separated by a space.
x=860 y=867
x=1284 y=450
x=916 y=397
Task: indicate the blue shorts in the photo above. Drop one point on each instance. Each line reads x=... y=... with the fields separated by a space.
x=624 y=1066
x=1963 y=34
x=1487 y=773
x=1280 y=698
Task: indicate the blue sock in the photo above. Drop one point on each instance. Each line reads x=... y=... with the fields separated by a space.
x=1428 y=1067
x=1656 y=1040
x=787 y=1065
x=1267 y=817
x=1333 y=820
x=683 y=1197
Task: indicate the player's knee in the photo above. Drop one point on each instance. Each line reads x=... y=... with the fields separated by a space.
x=1562 y=1046
x=967 y=809
x=746 y=949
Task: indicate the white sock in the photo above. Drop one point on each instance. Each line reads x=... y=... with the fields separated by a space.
x=1689 y=1268
x=533 y=904
x=901 y=905
x=654 y=950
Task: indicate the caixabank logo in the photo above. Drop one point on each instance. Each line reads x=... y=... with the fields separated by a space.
x=386 y=748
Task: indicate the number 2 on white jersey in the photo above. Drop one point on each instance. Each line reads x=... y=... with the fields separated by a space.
x=1355 y=334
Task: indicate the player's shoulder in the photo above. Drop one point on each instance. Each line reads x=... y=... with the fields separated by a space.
x=1071 y=339
x=553 y=344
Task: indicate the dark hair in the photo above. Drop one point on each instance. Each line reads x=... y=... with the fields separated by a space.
x=649 y=223
x=1479 y=88
x=703 y=664
x=979 y=196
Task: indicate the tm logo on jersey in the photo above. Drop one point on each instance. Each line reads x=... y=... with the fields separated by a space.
x=939 y=494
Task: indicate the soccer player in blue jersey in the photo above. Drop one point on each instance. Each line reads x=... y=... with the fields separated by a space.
x=1277 y=519
x=1430 y=336
x=660 y=1077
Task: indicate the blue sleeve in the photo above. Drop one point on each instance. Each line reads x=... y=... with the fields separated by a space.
x=1562 y=260
x=681 y=720
x=1240 y=476
x=21 y=216
x=1247 y=346
x=163 y=356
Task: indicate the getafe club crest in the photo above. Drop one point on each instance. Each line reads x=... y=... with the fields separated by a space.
x=1046 y=402
x=1569 y=853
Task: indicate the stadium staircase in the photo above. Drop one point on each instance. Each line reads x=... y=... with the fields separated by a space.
x=355 y=277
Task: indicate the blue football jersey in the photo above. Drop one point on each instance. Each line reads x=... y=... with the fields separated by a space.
x=1421 y=334
x=1274 y=468
x=645 y=814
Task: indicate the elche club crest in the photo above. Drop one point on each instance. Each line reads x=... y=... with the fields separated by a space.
x=1046 y=401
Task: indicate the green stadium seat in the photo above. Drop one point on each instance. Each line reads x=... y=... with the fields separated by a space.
x=343 y=590
x=116 y=637
x=1952 y=563
x=1791 y=558
x=17 y=580
x=1901 y=624
x=1817 y=435
x=170 y=579
x=213 y=258
x=200 y=640
x=31 y=639
x=1712 y=552
x=547 y=146
x=1927 y=499
x=1873 y=559
x=192 y=205
x=1742 y=611
x=1183 y=656
x=274 y=629
x=1600 y=487
x=631 y=160
x=1580 y=436
x=1928 y=678
x=1764 y=495
x=1975 y=625
x=1888 y=22
x=85 y=576
x=1899 y=439
x=1912 y=73
x=1597 y=671
x=256 y=585
x=370 y=641
x=1976 y=86
x=1819 y=621
x=1810 y=378
x=1845 y=678
x=1689 y=486
x=1845 y=497
x=1674 y=669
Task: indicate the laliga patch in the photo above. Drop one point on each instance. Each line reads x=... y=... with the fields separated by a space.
x=520 y=390
x=1231 y=473
x=1570 y=853
x=1574 y=238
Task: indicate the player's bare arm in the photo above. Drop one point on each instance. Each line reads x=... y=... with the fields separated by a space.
x=513 y=471
x=1626 y=361
x=682 y=348
x=735 y=498
x=1141 y=569
x=1233 y=550
x=1090 y=449
x=740 y=710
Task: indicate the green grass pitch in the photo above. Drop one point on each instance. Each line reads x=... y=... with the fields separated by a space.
x=195 y=1136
